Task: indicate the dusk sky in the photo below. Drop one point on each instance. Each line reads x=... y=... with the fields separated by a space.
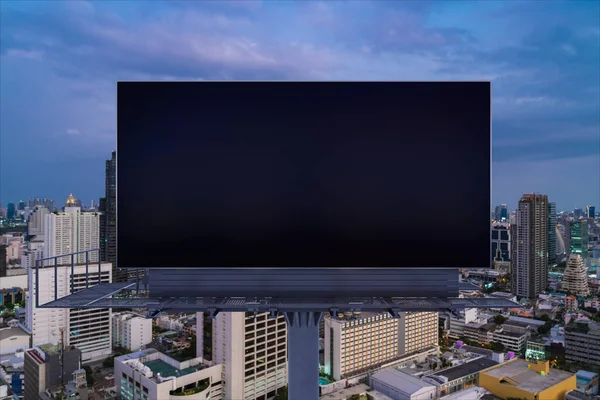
x=61 y=60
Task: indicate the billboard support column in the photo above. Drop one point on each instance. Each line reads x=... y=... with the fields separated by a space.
x=303 y=354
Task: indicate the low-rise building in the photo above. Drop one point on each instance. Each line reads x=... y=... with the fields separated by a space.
x=400 y=386
x=460 y=377
x=12 y=339
x=519 y=379
x=587 y=382
x=582 y=343
x=149 y=374
x=131 y=331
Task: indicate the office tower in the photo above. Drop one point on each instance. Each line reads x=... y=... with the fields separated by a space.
x=577 y=238
x=370 y=340
x=11 y=211
x=108 y=226
x=72 y=231
x=37 y=221
x=578 y=213
x=590 y=212
x=575 y=277
x=552 y=233
x=253 y=351
x=87 y=329
x=530 y=269
x=500 y=242
x=49 y=367
x=501 y=213
x=21 y=205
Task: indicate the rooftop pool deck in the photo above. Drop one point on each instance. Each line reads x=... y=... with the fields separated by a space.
x=166 y=370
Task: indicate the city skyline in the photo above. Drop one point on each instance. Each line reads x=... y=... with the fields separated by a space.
x=61 y=61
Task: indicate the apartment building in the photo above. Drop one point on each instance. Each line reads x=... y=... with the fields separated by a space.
x=253 y=351
x=131 y=331
x=87 y=329
x=582 y=343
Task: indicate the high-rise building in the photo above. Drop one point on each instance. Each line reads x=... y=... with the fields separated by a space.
x=530 y=268
x=577 y=237
x=253 y=351
x=500 y=241
x=590 y=211
x=578 y=213
x=417 y=331
x=87 y=329
x=370 y=340
x=552 y=234
x=501 y=213
x=72 y=231
x=49 y=367
x=3 y=261
x=11 y=211
x=108 y=225
x=582 y=343
x=22 y=205
x=37 y=221
x=575 y=277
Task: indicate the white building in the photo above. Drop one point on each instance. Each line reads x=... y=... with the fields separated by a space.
x=253 y=351
x=400 y=386
x=87 y=329
x=149 y=375
x=575 y=278
x=72 y=231
x=12 y=339
x=371 y=340
x=131 y=331
x=36 y=222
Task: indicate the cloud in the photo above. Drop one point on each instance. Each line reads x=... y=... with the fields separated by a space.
x=73 y=132
x=542 y=59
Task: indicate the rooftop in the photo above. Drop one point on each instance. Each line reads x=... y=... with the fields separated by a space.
x=519 y=374
x=403 y=382
x=469 y=368
x=167 y=370
x=478 y=350
x=10 y=332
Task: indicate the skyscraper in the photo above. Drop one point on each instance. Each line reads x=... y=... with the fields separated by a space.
x=500 y=242
x=11 y=211
x=22 y=205
x=552 y=234
x=590 y=211
x=501 y=213
x=253 y=351
x=530 y=272
x=575 y=278
x=577 y=238
x=108 y=224
x=87 y=329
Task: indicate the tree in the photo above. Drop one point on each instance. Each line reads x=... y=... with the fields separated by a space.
x=109 y=362
x=499 y=319
x=497 y=347
x=88 y=375
x=282 y=393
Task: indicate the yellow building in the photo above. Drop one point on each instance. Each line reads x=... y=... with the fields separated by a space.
x=522 y=380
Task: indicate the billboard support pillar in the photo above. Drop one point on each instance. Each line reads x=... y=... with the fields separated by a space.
x=303 y=354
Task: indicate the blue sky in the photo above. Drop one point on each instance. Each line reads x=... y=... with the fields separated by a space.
x=60 y=62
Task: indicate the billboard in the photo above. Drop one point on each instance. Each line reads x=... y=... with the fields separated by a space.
x=303 y=174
